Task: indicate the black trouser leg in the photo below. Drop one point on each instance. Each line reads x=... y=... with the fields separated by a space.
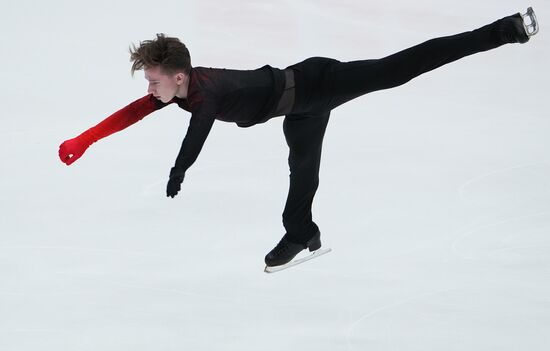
x=355 y=78
x=304 y=136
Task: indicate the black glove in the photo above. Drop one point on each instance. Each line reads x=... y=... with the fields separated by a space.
x=174 y=184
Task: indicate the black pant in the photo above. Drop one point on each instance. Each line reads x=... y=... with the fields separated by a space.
x=324 y=83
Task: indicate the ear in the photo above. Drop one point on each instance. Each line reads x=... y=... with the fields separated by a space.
x=180 y=78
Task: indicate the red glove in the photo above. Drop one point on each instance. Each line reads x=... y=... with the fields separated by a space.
x=71 y=150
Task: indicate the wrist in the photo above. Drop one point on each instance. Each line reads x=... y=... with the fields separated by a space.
x=177 y=172
x=88 y=137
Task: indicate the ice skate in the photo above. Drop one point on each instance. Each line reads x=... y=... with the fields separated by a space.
x=530 y=22
x=518 y=28
x=281 y=257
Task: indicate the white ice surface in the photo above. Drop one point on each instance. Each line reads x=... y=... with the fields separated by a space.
x=434 y=196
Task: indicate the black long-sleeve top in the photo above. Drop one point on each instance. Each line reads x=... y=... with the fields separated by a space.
x=246 y=97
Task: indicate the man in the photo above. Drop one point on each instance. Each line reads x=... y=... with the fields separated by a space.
x=305 y=93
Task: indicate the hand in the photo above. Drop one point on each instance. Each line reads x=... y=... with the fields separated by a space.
x=174 y=184
x=71 y=150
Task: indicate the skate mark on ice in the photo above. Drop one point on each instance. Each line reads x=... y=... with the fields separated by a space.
x=50 y=294
x=60 y=260
x=44 y=331
x=389 y=335
x=478 y=178
x=119 y=283
x=333 y=273
x=395 y=304
x=239 y=297
x=479 y=229
x=153 y=188
x=85 y=249
x=80 y=340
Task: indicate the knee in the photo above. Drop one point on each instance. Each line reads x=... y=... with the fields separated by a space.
x=307 y=166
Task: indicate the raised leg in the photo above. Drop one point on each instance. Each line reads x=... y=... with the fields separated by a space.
x=355 y=78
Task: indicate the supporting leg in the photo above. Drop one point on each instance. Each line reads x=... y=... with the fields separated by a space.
x=304 y=135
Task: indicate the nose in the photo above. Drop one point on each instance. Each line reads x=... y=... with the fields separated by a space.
x=150 y=90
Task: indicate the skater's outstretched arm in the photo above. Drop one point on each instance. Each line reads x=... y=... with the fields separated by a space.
x=200 y=125
x=72 y=149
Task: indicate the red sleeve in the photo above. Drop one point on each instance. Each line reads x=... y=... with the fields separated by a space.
x=124 y=117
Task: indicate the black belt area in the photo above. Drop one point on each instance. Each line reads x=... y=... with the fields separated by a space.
x=286 y=102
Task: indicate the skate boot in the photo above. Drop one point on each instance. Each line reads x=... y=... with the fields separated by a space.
x=518 y=28
x=286 y=250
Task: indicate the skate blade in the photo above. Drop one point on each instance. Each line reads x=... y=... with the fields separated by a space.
x=531 y=27
x=313 y=255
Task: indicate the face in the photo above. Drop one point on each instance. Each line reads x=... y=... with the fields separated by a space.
x=162 y=85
